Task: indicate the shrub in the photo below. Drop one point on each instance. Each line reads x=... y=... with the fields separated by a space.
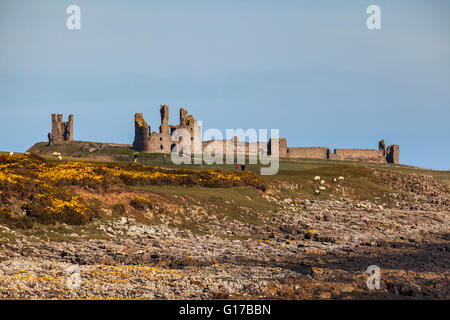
x=141 y=203
x=118 y=209
x=38 y=186
x=11 y=221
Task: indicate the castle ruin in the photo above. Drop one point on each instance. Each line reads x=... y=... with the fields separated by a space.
x=165 y=141
x=147 y=141
x=152 y=142
x=61 y=131
x=380 y=155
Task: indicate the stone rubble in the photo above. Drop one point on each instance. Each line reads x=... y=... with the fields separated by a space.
x=306 y=249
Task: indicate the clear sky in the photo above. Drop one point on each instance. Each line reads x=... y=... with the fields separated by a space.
x=310 y=68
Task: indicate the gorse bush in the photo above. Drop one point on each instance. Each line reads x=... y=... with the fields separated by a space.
x=39 y=189
x=9 y=220
x=141 y=203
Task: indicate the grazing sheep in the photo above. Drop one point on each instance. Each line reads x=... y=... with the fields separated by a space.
x=316 y=178
x=56 y=154
x=322 y=182
x=341 y=178
x=27 y=153
x=322 y=188
x=59 y=158
x=334 y=180
x=317 y=191
x=11 y=153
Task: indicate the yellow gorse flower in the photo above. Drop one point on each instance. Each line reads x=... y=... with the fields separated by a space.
x=60 y=206
x=75 y=171
x=41 y=182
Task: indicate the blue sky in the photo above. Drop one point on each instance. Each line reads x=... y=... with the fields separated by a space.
x=310 y=68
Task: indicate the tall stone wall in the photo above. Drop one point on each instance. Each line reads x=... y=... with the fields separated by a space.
x=234 y=146
x=141 y=133
x=61 y=131
x=363 y=155
x=308 y=152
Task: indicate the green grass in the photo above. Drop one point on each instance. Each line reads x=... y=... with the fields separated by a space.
x=296 y=172
x=7 y=237
x=71 y=150
x=62 y=232
x=294 y=165
x=243 y=204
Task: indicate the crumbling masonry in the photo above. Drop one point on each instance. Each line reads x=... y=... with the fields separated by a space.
x=61 y=131
x=162 y=142
x=152 y=142
x=380 y=155
x=147 y=141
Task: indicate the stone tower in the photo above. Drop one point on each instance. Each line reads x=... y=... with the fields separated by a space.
x=141 y=133
x=61 y=131
x=164 y=128
x=392 y=154
x=382 y=147
x=282 y=147
x=183 y=115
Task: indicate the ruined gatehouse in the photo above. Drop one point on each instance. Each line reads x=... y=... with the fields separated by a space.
x=161 y=142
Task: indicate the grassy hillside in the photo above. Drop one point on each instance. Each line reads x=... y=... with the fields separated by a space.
x=292 y=170
x=97 y=208
x=33 y=189
x=40 y=190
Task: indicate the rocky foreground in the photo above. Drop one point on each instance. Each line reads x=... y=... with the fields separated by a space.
x=307 y=249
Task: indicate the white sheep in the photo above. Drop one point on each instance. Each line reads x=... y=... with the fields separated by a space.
x=59 y=158
x=56 y=154
x=316 y=178
x=11 y=153
x=341 y=178
x=322 y=182
x=322 y=188
x=317 y=191
x=334 y=180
